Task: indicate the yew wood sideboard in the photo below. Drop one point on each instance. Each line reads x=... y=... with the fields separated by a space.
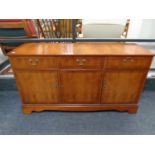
x=80 y=76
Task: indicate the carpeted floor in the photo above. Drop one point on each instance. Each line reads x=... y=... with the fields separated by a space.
x=12 y=121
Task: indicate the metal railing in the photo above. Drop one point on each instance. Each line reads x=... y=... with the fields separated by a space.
x=74 y=40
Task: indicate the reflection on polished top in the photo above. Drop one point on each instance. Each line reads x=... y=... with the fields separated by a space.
x=80 y=49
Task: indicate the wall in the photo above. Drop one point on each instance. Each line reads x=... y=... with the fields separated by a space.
x=143 y=29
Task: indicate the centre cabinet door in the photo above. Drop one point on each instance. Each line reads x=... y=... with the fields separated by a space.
x=80 y=86
x=121 y=87
x=38 y=87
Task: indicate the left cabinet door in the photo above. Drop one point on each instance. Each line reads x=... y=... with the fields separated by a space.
x=38 y=87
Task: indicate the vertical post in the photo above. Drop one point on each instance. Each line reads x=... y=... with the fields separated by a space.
x=74 y=34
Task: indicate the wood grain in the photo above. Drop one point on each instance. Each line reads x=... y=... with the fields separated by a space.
x=38 y=87
x=58 y=49
x=32 y=62
x=80 y=86
x=127 y=62
x=81 y=76
x=121 y=87
x=81 y=62
x=29 y=108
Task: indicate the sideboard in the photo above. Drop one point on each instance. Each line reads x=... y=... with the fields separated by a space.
x=80 y=76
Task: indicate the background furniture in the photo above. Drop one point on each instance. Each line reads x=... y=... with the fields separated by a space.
x=80 y=76
x=15 y=29
x=54 y=28
x=105 y=28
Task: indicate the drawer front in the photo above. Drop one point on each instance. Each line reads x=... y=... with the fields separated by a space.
x=127 y=62
x=34 y=62
x=81 y=62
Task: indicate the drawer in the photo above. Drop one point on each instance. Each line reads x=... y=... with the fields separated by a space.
x=81 y=62
x=127 y=62
x=34 y=62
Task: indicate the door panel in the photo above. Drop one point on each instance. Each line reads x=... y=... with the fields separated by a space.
x=38 y=87
x=80 y=86
x=121 y=86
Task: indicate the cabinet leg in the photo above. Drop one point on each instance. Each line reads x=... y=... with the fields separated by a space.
x=133 y=110
x=26 y=110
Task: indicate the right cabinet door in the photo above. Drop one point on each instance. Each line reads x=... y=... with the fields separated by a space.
x=122 y=87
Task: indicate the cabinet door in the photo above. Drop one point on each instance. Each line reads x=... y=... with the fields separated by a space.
x=122 y=86
x=80 y=86
x=38 y=87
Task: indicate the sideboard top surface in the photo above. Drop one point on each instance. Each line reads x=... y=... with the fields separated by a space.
x=55 y=49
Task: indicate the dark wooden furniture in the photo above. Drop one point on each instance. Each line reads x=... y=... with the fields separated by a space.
x=54 y=28
x=126 y=29
x=15 y=29
x=80 y=76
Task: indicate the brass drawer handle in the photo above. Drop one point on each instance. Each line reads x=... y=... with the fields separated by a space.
x=128 y=59
x=81 y=62
x=33 y=62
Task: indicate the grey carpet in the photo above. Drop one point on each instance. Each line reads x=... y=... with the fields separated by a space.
x=12 y=121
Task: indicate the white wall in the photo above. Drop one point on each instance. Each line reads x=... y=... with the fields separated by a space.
x=148 y=29
x=142 y=29
x=134 y=28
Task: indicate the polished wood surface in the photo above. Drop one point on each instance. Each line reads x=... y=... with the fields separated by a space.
x=82 y=86
x=127 y=62
x=28 y=108
x=80 y=49
x=81 y=62
x=121 y=87
x=38 y=87
x=34 y=62
x=69 y=77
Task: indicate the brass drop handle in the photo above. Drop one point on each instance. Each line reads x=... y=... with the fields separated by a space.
x=81 y=61
x=128 y=59
x=33 y=62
